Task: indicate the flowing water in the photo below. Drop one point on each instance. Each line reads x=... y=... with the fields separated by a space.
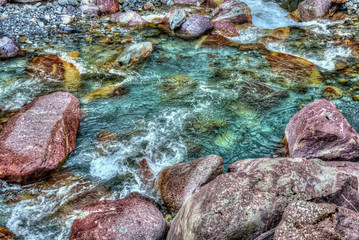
x=218 y=110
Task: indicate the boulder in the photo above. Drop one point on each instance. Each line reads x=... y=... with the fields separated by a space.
x=296 y=69
x=313 y=221
x=251 y=198
x=225 y=28
x=112 y=90
x=312 y=9
x=3 y=2
x=181 y=180
x=91 y=9
x=214 y=41
x=135 y=52
x=128 y=218
x=196 y=26
x=108 y=6
x=8 y=48
x=232 y=11
x=5 y=234
x=173 y=19
x=52 y=67
x=319 y=130
x=101 y=57
x=128 y=19
x=38 y=139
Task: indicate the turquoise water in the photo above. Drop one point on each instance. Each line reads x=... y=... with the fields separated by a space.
x=222 y=108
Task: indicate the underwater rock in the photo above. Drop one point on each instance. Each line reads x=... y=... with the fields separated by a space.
x=232 y=11
x=6 y=234
x=108 y=6
x=225 y=28
x=308 y=221
x=319 y=130
x=9 y=49
x=52 y=67
x=294 y=68
x=90 y=8
x=213 y=41
x=128 y=218
x=173 y=19
x=227 y=140
x=113 y=90
x=128 y=19
x=105 y=136
x=145 y=173
x=331 y=92
x=339 y=17
x=135 y=52
x=313 y=9
x=38 y=139
x=194 y=27
x=179 y=181
x=251 y=198
x=281 y=33
x=212 y=3
x=102 y=58
x=178 y=86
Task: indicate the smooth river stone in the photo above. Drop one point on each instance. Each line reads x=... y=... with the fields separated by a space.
x=232 y=11
x=38 y=139
x=108 y=6
x=312 y=9
x=196 y=26
x=8 y=48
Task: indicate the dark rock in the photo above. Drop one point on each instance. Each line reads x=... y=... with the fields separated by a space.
x=232 y=11
x=313 y=9
x=8 y=48
x=251 y=198
x=108 y=6
x=38 y=139
x=320 y=131
x=178 y=182
x=196 y=26
x=128 y=218
x=267 y=235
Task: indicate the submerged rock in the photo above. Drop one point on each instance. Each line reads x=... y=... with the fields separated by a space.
x=251 y=198
x=102 y=58
x=6 y=234
x=232 y=11
x=181 y=180
x=52 y=67
x=135 y=52
x=128 y=218
x=38 y=139
x=8 y=48
x=332 y=92
x=308 y=221
x=313 y=9
x=178 y=86
x=108 y=6
x=214 y=41
x=113 y=90
x=319 y=130
x=128 y=19
x=194 y=27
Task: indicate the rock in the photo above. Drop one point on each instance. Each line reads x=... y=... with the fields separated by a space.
x=112 y=90
x=135 y=52
x=3 y=2
x=353 y=46
x=251 y=198
x=66 y=19
x=188 y=2
x=181 y=180
x=320 y=131
x=9 y=49
x=102 y=58
x=214 y=41
x=308 y=221
x=312 y=9
x=177 y=18
x=105 y=136
x=225 y=28
x=5 y=117
x=232 y=11
x=294 y=68
x=128 y=19
x=149 y=6
x=90 y=8
x=339 y=17
x=108 y=6
x=178 y=86
x=38 y=139
x=281 y=33
x=5 y=234
x=145 y=173
x=294 y=15
x=212 y=3
x=332 y=92
x=50 y=66
x=289 y=5
x=261 y=48
x=194 y=27
x=128 y=218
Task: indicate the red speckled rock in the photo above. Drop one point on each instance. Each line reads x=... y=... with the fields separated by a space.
x=233 y=11
x=251 y=198
x=196 y=26
x=38 y=139
x=176 y=17
x=128 y=218
x=178 y=182
x=108 y=6
x=225 y=28
x=8 y=48
x=214 y=41
x=313 y=221
x=129 y=19
x=3 y=2
x=320 y=131
x=312 y=9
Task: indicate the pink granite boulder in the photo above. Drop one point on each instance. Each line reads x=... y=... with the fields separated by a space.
x=181 y=180
x=225 y=28
x=313 y=221
x=232 y=11
x=108 y=6
x=129 y=19
x=38 y=139
x=8 y=48
x=196 y=26
x=313 y=9
x=319 y=130
x=128 y=218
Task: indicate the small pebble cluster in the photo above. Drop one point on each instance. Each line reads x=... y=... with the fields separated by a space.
x=352 y=6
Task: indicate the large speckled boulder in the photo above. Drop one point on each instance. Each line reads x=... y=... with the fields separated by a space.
x=233 y=11
x=108 y=6
x=8 y=48
x=196 y=26
x=128 y=19
x=128 y=218
x=319 y=130
x=172 y=20
x=251 y=198
x=178 y=182
x=312 y=9
x=313 y=221
x=38 y=139
x=135 y=52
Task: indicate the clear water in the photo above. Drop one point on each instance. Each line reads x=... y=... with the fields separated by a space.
x=215 y=115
